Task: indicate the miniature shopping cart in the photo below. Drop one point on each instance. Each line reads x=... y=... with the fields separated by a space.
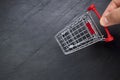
x=82 y=32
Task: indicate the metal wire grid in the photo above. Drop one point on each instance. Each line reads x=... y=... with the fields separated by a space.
x=77 y=36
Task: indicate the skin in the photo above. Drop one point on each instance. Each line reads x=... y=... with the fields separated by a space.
x=111 y=16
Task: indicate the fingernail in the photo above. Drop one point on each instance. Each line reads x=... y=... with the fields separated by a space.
x=104 y=21
x=107 y=13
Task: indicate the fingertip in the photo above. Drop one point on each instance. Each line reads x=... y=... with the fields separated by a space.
x=101 y=22
x=104 y=21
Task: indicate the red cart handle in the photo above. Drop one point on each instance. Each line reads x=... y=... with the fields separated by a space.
x=109 y=36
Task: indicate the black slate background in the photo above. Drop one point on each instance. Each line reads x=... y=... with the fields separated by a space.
x=29 y=51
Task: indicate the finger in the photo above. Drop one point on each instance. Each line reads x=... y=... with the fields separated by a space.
x=110 y=7
x=116 y=2
x=111 y=19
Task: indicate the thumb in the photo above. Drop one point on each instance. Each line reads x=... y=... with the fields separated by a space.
x=111 y=18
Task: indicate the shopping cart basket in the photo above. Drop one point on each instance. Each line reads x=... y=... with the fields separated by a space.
x=82 y=32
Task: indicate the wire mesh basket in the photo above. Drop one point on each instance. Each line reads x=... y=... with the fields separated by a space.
x=82 y=32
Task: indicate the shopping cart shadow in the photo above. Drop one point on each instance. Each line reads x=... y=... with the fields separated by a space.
x=110 y=48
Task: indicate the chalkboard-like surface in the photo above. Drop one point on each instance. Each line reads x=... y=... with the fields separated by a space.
x=29 y=51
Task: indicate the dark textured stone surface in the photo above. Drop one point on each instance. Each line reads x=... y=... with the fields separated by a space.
x=28 y=50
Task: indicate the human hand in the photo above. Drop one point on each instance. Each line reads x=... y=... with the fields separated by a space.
x=111 y=16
